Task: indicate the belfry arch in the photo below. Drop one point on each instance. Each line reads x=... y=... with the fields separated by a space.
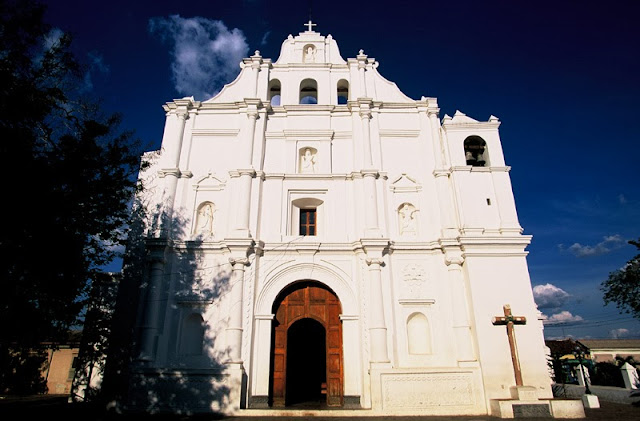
x=306 y=347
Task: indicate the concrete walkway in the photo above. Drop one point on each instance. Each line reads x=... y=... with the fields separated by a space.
x=54 y=407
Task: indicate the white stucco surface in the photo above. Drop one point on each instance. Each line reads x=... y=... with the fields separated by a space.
x=421 y=248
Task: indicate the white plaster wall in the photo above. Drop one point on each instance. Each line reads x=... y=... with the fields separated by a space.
x=493 y=282
x=407 y=147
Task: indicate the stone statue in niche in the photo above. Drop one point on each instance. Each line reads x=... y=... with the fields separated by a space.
x=204 y=222
x=310 y=54
x=308 y=164
x=407 y=219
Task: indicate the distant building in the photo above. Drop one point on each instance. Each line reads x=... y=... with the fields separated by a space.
x=608 y=349
x=60 y=366
x=317 y=237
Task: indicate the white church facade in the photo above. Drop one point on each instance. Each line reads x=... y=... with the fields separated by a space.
x=319 y=238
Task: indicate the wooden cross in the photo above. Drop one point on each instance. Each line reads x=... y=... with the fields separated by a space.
x=310 y=24
x=509 y=320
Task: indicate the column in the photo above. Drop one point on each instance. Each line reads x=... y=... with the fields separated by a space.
x=243 y=207
x=352 y=365
x=506 y=203
x=234 y=328
x=362 y=64
x=443 y=185
x=261 y=361
x=149 y=328
x=461 y=323
x=171 y=172
x=244 y=202
x=256 y=61
x=369 y=173
x=377 y=325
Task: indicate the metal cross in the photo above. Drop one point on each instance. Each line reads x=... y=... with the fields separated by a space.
x=509 y=320
x=310 y=24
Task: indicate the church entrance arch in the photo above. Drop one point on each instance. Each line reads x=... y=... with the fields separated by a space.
x=306 y=350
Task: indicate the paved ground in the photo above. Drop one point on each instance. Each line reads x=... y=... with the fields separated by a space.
x=56 y=407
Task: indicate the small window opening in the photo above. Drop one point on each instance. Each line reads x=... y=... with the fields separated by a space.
x=274 y=92
x=475 y=151
x=308 y=92
x=488 y=201
x=307 y=222
x=343 y=92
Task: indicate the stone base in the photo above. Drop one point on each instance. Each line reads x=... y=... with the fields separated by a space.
x=540 y=408
x=351 y=402
x=512 y=408
x=567 y=408
x=433 y=392
x=590 y=401
x=524 y=393
x=259 y=402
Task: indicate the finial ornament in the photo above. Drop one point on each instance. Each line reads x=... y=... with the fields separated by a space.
x=310 y=25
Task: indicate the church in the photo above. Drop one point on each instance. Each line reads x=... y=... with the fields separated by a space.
x=317 y=239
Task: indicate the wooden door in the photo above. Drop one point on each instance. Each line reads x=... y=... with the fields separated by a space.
x=314 y=301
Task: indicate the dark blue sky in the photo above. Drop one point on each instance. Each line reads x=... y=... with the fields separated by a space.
x=562 y=76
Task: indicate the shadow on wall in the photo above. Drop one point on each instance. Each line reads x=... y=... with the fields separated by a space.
x=194 y=377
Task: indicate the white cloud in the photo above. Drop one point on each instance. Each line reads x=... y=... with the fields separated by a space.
x=265 y=37
x=96 y=64
x=205 y=53
x=618 y=333
x=549 y=296
x=622 y=199
x=562 y=317
x=608 y=244
x=51 y=40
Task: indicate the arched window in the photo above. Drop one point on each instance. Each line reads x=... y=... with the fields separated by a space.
x=274 y=92
x=308 y=92
x=475 y=151
x=418 y=335
x=343 y=92
x=192 y=336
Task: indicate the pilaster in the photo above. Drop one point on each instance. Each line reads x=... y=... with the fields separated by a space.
x=461 y=322
x=150 y=325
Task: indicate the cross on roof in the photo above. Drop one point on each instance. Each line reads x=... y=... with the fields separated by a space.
x=310 y=24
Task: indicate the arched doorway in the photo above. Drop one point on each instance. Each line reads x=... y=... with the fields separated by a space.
x=306 y=353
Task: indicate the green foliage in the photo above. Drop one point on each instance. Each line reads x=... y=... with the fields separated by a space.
x=623 y=286
x=607 y=374
x=69 y=179
x=24 y=376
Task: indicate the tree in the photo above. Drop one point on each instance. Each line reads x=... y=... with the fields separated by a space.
x=623 y=286
x=69 y=178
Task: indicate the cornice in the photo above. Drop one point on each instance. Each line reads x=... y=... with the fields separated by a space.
x=476 y=126
x=416 y=301
x=314 y=134
x=215 y=132
x=303 y=108
x=299 y=176
x=399 y=133
x=310 y=66
x=405 y=245
x=470 y=168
